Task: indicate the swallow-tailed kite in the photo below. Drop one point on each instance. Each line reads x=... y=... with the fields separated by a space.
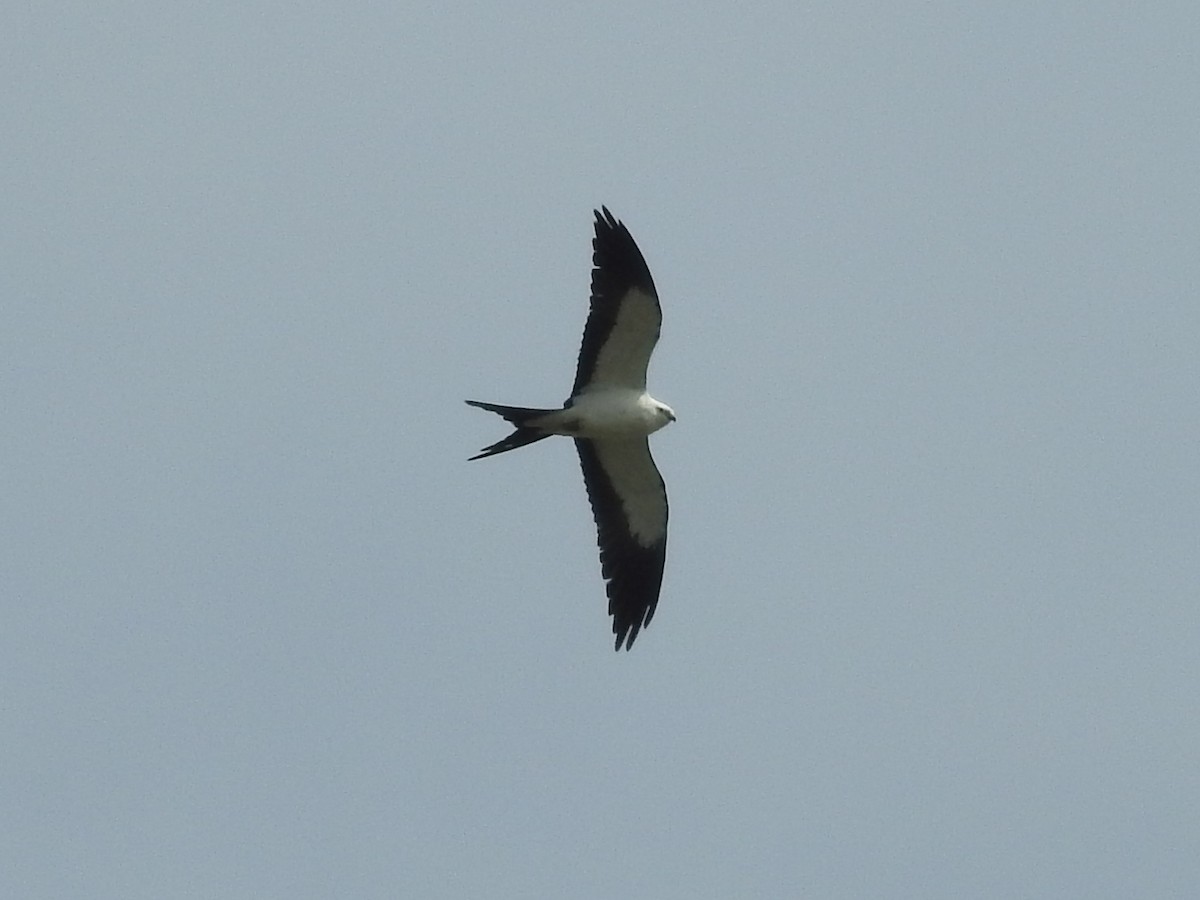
x=610 y=416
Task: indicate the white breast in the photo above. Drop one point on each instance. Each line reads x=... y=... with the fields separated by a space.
x=617 y=412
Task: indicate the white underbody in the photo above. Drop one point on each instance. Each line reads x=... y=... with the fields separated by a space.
x=612 y=412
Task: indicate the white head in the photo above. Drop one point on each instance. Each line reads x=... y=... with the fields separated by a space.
x=665 y=413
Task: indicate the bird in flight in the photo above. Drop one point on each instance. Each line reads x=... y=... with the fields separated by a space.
x=610 y=416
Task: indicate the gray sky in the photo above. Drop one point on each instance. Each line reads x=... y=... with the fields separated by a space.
x=929 y=626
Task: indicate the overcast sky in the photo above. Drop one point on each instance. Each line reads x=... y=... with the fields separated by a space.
x=929 y=626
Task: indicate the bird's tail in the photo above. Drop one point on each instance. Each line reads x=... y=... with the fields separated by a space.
x=521 y=416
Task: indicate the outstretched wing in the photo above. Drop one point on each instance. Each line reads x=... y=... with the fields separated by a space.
x=625 y=318
x=629 y=504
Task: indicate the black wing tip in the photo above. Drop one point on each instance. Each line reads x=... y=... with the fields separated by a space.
x=606 y=218
x=633 y=585
x=607 y=224
x=618 y=263
x=629 y=620
x=626 y=635
x=632 y=571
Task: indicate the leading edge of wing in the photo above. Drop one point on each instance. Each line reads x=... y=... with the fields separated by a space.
x=629 y=503
x=624 y=310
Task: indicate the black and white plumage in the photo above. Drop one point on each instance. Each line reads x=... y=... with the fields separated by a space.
x=610 y=416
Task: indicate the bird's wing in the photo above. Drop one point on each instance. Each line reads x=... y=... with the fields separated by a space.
x=629 y=503
x=625 y=318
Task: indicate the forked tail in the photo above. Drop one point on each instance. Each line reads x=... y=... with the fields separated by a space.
x=520 y=416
